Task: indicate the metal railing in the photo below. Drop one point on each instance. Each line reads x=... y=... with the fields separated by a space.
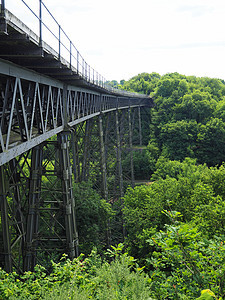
x=74 y=60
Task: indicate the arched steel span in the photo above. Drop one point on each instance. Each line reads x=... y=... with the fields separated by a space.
x=41 y=96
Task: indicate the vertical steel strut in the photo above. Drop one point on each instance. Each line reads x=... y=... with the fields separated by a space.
x=140 y=127
x=104 y=174
x=119 y=161
x=5 y=224
x=68 y=199
x=103 y=160
x=131 y=147
x=119 y=164
x=87 y=143
x=31 y=243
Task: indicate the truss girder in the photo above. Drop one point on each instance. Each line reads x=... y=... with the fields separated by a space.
x=33 y=108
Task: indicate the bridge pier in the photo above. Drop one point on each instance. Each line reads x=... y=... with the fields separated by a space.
x=54 y=226
x=131 y=147
x=103 y=159
x=120 y=171
x=31 y=243
x=68 y=199
x=6 y=259
x=140 y=126
x=86 y=149
x=104 y=186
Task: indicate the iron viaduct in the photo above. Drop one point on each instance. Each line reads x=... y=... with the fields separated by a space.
x=59 y=122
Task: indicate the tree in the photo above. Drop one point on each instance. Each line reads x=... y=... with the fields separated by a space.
x=178 y=140
x=211 y=142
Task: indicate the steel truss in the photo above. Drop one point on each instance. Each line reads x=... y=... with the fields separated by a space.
x=44 y=126
x=34 y=107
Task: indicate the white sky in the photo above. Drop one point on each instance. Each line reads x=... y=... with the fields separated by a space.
x=122 y=38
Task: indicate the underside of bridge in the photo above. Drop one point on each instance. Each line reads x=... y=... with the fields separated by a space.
x=58 y=127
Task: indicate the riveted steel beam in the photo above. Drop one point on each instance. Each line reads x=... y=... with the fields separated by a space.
x=31 y=241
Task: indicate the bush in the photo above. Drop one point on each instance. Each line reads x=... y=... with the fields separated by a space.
x=82 y=278
x=185 y=262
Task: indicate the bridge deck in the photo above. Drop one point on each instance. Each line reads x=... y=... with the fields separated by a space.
x=19 y=44
x=41 y=93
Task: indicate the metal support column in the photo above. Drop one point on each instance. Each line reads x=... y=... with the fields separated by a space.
x=103 y=160
x=31 y=242
x=119 y=161
x=5 y=223
x=131 y=148
x=140 y=127
x=87 y=142
x=74 y=155
x=104 y=174
x=68 y=199
x=120 y=172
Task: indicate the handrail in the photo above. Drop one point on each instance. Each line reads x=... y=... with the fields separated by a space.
x=80 y=66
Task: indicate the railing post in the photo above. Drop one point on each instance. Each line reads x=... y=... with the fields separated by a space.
x=2 y=7
x=77 y=62
x=59 y=42
x=3 y=26
x=70 y=54
x=40 y=23
x=82 y=67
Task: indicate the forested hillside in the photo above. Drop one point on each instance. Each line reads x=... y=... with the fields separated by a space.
x=189 y=116
x=175 y=225
x=185 y=154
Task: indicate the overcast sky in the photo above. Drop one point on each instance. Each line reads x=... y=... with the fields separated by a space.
x=122 y=38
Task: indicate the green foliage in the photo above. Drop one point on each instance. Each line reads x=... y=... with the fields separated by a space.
x=178 y=139
x=82 y=278
x=175 y=169
x=188 y=118
x=207 y=295
x=194 y=190
x=143 y=164
x=185 y=262
x=142 y=83
x=211 y=137
x=92 y=214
